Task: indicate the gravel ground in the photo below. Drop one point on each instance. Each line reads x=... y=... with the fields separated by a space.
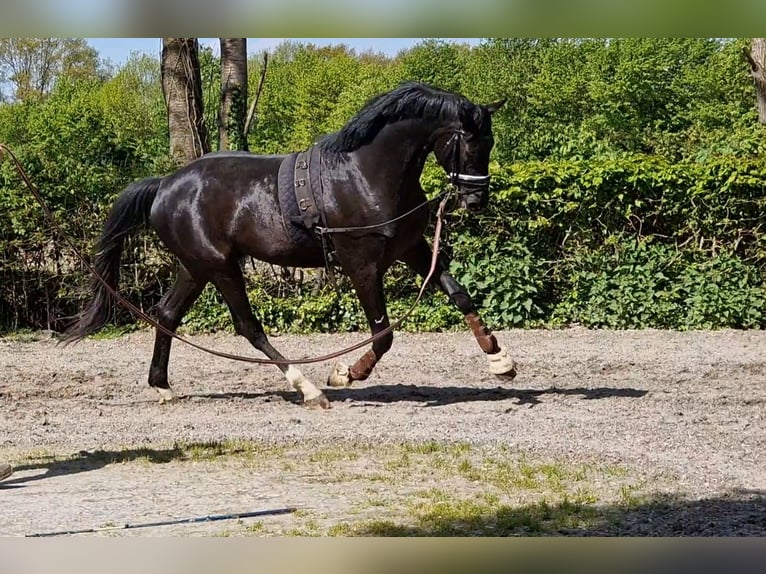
x=683 y=412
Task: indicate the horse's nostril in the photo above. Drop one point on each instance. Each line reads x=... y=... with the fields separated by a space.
x=473 y=203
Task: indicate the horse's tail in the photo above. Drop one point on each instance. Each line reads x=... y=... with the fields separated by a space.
x=129 y=213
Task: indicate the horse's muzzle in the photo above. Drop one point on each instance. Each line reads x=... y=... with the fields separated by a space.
x=474 y=201
x=473 y=190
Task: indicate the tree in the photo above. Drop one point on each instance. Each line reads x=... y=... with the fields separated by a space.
x=756 y=57
x=31 y=66
x=182 y=89
x=233 y=108
x=436 y=62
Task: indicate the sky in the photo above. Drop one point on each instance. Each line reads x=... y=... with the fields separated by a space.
x=118 y=50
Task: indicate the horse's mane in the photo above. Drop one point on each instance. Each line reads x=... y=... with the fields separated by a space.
x=408 y=101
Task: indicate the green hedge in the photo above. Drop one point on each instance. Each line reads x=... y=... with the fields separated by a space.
x=628 y=242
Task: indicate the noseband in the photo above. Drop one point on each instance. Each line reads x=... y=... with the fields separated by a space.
x=473 y=183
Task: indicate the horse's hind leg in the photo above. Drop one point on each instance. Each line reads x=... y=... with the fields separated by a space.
x=231 y=284
x=170 y=311
x=419 y=259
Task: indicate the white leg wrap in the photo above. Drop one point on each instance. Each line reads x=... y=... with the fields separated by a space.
x=340 y=376
x=501 y=364
x=166 y=395
x=302 y=384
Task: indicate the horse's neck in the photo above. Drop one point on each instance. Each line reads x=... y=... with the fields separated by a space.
x=406 y=144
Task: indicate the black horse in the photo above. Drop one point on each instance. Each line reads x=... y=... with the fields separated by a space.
x=225 y=206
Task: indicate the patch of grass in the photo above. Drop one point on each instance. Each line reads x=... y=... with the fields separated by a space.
x=468 y=471
x=39 y=456
x=376 y=528
x=338 y=477
x=584 y=496
x=433 y=447
x=433 y=494
x=429 y=447
x=301 y=513
x=241 y=449
x=553 y=472
x=630 y=497
x=489 y=498
x=302 y=533
x=375 y=503
x=22 y=336
x=333 y=454
x=441 y=462
x=459 y=448
x=191 y=452
x=615 y=470
x=379 y=477
x=307 y=524
x=482 y=517
x=251 y=452
x=399 y=463
x=256 y=527
x=340 y=529
x=429 y=489
x=510 y=475
x=579 y=473
x=114 y=332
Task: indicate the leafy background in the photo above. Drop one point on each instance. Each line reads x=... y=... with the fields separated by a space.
x=628 y=184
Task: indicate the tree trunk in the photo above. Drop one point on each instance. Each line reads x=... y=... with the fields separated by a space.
x=757 y=60
x=233 y=109
x=182 y=88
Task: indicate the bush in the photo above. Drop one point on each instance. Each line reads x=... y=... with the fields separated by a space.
x=635 y=284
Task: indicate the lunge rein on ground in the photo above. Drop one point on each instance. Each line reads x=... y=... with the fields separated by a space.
x=444 y=196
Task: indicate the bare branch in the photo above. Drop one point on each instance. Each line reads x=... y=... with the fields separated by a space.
x=251 y=112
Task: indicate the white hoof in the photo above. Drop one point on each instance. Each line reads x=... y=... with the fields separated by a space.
x=166 y=395
x=501 y=364
x=340 y=376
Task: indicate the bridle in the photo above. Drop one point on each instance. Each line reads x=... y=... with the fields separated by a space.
x=458 y=180
x=465 y=183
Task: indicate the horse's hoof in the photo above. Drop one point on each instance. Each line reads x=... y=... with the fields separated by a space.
x=319 y=401
x=166 y=395
x=340 y=376
x=502 y=365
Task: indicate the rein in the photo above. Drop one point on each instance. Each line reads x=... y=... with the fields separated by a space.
x=144 y=317
x=324 y=230
x=456 y=178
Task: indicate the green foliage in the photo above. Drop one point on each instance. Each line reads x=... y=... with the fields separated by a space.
x=722 y=291
x=634 y=284
x=627 y=182
x=326 y=311
x=502 y=277
x=80 y=146
x=625 y=284
x=435 y=62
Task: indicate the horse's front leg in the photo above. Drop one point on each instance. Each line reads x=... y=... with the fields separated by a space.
x=368 y=283
x=419 y=259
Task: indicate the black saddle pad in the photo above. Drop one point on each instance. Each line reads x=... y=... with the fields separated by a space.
x=288 y=204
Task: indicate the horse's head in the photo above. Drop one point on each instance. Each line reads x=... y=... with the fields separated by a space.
x=463 y=151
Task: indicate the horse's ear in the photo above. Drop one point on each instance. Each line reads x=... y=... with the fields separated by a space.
x=492 y=108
